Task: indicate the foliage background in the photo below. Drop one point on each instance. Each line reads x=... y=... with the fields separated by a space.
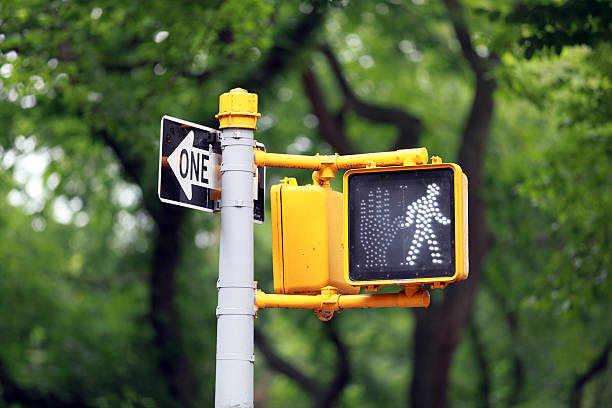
x=107 y=297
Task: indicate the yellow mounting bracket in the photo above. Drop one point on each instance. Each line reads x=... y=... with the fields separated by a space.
x=325 y=166
x=329 y=301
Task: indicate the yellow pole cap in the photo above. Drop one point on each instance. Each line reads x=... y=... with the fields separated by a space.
x=238 y=109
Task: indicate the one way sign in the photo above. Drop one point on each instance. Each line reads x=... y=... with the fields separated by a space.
x=194 y=166
x=189 y=167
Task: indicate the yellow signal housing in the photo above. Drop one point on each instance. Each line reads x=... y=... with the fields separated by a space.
x=406 y=225
x=307 y=239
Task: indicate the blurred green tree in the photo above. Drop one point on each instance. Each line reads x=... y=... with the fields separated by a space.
x=108 y=296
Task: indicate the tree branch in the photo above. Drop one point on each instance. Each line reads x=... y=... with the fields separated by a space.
x=322 y=397
x=131 y=165
x=336 y=386
x=596 y=367
x=11 y=393
x=277 y=363
x=331 y=127
x=283 y=52
x=479 y=65
x=408 y=125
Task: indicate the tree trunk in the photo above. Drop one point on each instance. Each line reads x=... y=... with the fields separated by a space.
x=599 y=365
x=478 y=349
x=438 y=329
x=173 y=363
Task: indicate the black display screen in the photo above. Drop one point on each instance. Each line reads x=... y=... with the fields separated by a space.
x=401 y=224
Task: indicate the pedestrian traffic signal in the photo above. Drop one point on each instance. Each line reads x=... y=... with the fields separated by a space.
x=307 y=239
x=406 y=225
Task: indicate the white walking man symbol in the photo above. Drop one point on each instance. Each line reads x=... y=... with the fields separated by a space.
x=422 y=212
x=379 y=227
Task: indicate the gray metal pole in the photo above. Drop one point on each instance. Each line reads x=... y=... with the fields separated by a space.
x=235 y=310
